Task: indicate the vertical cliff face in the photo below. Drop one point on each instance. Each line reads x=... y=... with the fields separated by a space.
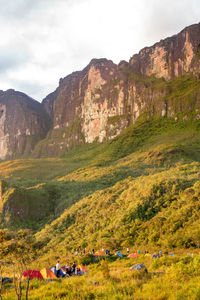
x=100 y=101
x=88 y=106
x=23 y=122
x=83 y=104
x=103 y=99
x=170 y=57
x=95 y=104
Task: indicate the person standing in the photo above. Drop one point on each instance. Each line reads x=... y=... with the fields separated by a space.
x=73 y=267
x=58 y=269
x=69 y=270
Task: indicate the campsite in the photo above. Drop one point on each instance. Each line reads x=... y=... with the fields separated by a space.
x=116 y=276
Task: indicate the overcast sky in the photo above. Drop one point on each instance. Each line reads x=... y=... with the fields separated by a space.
x=44 y=40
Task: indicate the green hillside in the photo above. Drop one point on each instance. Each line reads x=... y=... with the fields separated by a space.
x=153 y=198
x=41 y=189
x=139 y=190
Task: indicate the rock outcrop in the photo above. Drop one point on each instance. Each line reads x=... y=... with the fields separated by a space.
x=23 y=122
x=170 y=57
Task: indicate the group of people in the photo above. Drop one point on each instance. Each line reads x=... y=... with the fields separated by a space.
x=88 y=252
x=107 y=251
x=67 y=270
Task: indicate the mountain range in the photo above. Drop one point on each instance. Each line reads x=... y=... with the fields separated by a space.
x=99 y=102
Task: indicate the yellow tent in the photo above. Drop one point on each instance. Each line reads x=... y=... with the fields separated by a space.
x=47 y=274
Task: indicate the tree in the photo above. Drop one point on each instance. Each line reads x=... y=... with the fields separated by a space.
x=20 y=250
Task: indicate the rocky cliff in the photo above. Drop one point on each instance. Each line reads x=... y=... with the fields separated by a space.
x=23 y=122
x=170 y=57
x=99 y=102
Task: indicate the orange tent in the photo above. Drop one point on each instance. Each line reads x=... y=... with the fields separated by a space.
x=100 y=253
x=47 y=274
x=82 y=269
x=135 y=255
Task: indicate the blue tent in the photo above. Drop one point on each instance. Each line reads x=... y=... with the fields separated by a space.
x=156 y=256
x=5 y=280
x=53 y=269
x=119 y=254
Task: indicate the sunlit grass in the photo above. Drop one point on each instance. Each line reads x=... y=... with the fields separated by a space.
x=168 y=281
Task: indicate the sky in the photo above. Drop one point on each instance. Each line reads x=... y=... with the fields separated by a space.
x=42 y=41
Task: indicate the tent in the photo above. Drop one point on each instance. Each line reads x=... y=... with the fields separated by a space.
x=139 y=267
x=83 y=270
x=156 y=256
x=100 y=253
x=64 y=270
x=135 y=255
x=53 y=269
x=47 y=274
x=32 y=274
x=170 y=253
x=119 y=254
x=5 y=280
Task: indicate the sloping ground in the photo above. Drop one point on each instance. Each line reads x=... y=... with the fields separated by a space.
x=159 y=209
x=153 y=198
x=40 y=190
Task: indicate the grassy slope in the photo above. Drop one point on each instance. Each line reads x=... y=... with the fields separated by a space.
x=94 y=167
x=153 y=198
x=148 y=148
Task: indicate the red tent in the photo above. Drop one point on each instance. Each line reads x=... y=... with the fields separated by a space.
x=32 y=274
x=134 y=255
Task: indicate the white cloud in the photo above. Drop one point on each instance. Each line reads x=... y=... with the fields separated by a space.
x=43 y=40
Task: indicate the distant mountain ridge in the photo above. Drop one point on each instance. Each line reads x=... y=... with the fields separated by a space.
x=23 y=122
x=99 y=102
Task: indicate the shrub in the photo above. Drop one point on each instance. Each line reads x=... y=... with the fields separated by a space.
x=87 y=259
